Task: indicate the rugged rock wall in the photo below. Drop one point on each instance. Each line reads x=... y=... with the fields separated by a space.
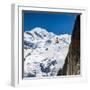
x=72 y=62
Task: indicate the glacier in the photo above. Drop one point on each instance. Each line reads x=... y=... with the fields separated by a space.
x=44 y=52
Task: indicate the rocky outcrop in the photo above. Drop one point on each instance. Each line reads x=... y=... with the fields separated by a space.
x=72 y=62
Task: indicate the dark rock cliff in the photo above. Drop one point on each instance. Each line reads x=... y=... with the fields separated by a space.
x=72 y=62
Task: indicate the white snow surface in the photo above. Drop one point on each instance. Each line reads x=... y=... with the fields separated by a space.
x=42 y=55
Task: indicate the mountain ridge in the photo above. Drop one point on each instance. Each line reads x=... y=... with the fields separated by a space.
x=44 y=52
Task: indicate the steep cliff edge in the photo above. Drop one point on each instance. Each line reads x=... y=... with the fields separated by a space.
x=72 y=62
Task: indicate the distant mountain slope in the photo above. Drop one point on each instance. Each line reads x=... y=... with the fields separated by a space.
x=44 y=52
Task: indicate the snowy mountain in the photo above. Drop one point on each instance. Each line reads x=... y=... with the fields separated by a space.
x=44 y=52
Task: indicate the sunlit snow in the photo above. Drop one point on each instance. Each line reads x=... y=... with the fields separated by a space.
x=43 y=56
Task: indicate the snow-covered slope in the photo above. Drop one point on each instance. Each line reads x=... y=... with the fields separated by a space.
x=44 y=52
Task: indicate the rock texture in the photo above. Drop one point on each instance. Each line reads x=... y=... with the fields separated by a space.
x=72 y=62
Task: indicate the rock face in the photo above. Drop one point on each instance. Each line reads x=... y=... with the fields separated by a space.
x=72 y=62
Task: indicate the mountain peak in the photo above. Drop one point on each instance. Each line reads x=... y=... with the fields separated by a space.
x=37 y=29
x=44 y=52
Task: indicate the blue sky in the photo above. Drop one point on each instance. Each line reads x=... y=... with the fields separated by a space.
x=58 y=23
